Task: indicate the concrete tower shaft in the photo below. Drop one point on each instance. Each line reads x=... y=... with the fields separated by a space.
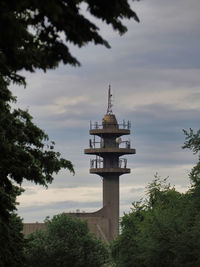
x=111 y=203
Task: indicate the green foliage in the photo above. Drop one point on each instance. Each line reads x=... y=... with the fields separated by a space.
x=25 y=154
x=66 y=242
x=193 y=143
x=11 y=237
x=162 y=231
x=35 y=34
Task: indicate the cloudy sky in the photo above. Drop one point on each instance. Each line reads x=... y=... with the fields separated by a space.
x=154 y=72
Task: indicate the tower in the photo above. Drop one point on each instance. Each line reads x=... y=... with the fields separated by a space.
x=109 y=163
x=109 y=149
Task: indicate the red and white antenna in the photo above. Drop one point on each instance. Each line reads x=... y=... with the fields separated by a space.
x=109 y=109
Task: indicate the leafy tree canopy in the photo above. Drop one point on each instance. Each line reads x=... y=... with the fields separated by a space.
x=35 y=34
x=193 y=143
x=160 y=231
x=11 y=237
x=66 y=242
x=164 y=229
x=25 y=154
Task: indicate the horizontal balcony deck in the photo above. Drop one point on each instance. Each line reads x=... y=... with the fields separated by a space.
x=102 y=171
x=110 y=131
x=115 y=150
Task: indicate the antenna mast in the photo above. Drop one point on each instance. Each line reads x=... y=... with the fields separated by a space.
x=109 y=109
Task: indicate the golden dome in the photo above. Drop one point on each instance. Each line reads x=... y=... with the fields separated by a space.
x=109 y=119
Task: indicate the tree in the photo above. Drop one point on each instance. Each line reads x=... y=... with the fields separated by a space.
x=11 y=237
x=161 y=231
x=193 y=143
x=32 y=31
x=25 y=154
x=65 y=242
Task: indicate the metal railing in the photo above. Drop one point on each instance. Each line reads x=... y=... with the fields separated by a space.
x=98 y=163
x=123 y=163
x=93 y=142
x=124 y=125
x=100 y=144
x=126 y=144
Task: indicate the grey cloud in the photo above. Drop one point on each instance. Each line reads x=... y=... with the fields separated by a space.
x=29 y=191
x=136 y=190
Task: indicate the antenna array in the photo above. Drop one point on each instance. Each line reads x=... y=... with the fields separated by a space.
x=109 y=109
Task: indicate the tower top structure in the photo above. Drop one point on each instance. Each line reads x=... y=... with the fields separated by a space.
x=110 y=105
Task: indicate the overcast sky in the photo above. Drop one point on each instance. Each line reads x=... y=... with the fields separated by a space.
x=154 y=72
